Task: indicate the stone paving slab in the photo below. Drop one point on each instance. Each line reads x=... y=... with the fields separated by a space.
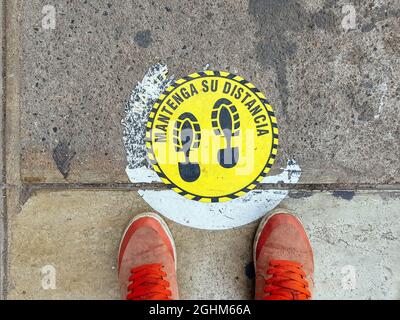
x=354 y=236
x=3 y=248
x=334 y=86
x=2 y=211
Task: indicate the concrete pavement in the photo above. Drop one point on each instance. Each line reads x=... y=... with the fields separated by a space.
x=355 y=243
x=335 y=90
x=329 y=69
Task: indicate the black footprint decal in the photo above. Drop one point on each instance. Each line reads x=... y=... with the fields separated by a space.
x=186 y=138
x=225 y=121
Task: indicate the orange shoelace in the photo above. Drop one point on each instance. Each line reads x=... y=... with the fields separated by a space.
x=288 y=281
x=148 y=283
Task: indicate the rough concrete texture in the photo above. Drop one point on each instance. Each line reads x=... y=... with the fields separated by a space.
x=2 y=247
x=354 y=236
x=2 y=208
x=335 y=90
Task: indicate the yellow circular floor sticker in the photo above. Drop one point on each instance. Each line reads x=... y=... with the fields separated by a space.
x=212 y=136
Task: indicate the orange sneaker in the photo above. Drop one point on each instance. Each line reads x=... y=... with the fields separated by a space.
x=147 y=260
x=283 y=259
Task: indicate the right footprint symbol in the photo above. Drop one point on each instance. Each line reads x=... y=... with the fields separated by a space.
x=226 y=122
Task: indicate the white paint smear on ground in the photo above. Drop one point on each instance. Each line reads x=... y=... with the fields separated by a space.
x=211 y=216
x=142 y=175
x=219 y=216
x=137 y=111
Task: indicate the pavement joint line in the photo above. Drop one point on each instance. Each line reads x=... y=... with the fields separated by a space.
x=161 y=186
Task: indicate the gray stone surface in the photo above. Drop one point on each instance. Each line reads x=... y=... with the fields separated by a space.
x=355 y=238
x=335 y=91
x=2 y=211
x=3 y=247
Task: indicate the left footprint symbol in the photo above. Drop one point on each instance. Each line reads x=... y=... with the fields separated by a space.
x=186 y=138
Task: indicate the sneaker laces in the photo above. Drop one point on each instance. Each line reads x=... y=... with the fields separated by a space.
x=148 y=283
x=288 y=281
